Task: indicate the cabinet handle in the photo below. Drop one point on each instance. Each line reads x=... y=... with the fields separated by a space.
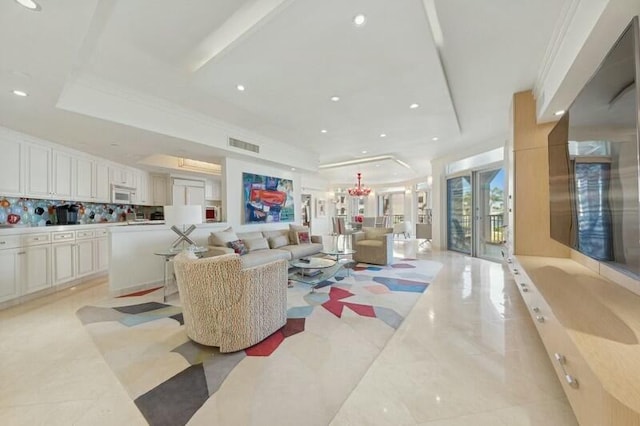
x=22 y=252
x=536 y=309
x=523 y=284
x=562 y=361
x=540 y=318
x=525 y=290
x=3 y=242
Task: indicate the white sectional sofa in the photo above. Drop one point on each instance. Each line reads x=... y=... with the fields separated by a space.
x=265 y=246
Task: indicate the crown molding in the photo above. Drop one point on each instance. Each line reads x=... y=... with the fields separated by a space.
x=567 y=14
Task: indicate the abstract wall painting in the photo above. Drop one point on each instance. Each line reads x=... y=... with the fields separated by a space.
x=267 y=199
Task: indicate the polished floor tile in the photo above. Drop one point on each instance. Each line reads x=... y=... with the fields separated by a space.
x=467 y=354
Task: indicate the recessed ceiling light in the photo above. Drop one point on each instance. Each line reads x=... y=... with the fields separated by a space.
x=377 y=165
x=293 y=169
x=559 y=112
x=364 y=151
x=29 y=4
x=19 y=93
x=414 y=106
x=383 y=135
x=435 y=138
x=240 y=87
x=323 y=131
x=359 y=20
x=335 y=98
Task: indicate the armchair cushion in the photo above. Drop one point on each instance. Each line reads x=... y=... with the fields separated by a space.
x=376 y=233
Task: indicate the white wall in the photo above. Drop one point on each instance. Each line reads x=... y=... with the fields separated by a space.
x=318 y=188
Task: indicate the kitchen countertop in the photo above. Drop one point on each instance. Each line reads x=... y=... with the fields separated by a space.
x=21 y=229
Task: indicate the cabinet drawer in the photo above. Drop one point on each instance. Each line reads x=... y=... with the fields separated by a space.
x=63 y=236
x=9 y=241
x=101 y=232
x=83 y=235
x=36 y=239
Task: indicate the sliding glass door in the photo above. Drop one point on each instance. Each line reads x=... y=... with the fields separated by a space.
x=489 y=207
x=475 y=213
x=459 y=211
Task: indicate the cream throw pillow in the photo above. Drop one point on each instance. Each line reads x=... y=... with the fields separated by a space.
x=221 y=238
x=279 y=241
x=256 y=244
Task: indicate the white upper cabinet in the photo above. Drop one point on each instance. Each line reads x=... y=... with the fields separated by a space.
x=84 y=188
x=12 y=170
x=62 y=175
x=38 y=171
x=142 y=188
x=123 y=176
x=103 y=186
x=159 y=190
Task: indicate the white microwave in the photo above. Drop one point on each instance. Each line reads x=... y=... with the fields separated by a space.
x=122 y=194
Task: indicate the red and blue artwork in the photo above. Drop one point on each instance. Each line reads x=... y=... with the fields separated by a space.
x=267 y=199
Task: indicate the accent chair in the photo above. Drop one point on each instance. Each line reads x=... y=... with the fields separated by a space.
x=373 y=245
x=227 y=306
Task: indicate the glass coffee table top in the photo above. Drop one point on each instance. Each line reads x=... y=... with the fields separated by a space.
x=313 y=272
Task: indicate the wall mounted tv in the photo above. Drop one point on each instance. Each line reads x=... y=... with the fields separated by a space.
x=593 y=162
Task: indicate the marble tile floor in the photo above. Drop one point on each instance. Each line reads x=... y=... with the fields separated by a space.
x=468 y=354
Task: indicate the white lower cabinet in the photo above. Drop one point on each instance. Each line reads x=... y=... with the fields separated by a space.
x=102 y=254
x=86 y=257
x=64 y=262
x=36 y=266
x=10 y=276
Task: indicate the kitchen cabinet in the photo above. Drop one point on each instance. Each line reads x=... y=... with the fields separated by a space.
x=103 y=185
x=12 y=170
x=122 y=176
x=38 y=171
x=188 y=193
x=9 y=279
x=49 y=173
x=85 y=253
x=101 y=251
x=84 y=188
x=142 y=189
x=36 y=268
x=63 y=256
x=159 y=189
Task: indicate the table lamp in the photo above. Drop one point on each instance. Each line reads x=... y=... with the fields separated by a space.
x=179 y=217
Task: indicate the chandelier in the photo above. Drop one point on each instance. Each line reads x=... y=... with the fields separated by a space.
x=359 y=190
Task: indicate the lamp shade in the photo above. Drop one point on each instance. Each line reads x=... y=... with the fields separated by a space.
x=182 y=215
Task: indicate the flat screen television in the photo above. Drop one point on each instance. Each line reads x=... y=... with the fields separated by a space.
x=594 y=171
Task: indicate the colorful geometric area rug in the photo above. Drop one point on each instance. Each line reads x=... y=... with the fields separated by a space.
x=301 y=374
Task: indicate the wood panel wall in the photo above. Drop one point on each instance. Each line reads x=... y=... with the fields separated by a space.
x=531 y=182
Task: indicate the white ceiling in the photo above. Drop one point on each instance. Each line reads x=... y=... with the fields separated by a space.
x=292 y=56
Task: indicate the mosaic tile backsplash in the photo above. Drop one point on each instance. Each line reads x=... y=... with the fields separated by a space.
x=34 y=212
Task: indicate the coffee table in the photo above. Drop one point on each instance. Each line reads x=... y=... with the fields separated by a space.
x=337 y=254
x=327 y=268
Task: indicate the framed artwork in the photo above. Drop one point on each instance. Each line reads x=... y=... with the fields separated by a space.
x=267 y=199
x=321 y=208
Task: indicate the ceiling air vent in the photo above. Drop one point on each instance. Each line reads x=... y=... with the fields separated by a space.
x=236 y=143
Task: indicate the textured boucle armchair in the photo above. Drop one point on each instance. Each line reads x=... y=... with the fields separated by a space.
x=373 y=245
x=226 y=306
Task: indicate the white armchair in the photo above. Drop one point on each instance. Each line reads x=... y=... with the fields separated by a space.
x=226 y=306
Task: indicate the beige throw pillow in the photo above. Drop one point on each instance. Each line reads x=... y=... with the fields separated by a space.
x=376 y=233
x=257 y=244
x=221 y=238
x=278 y=241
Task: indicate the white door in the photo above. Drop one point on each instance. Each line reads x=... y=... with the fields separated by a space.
x=86 y=257
x=62 y=175
x=9 y=276
x=38 y=172
x=63 y=262
x=36 y=268
x=11 y=178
